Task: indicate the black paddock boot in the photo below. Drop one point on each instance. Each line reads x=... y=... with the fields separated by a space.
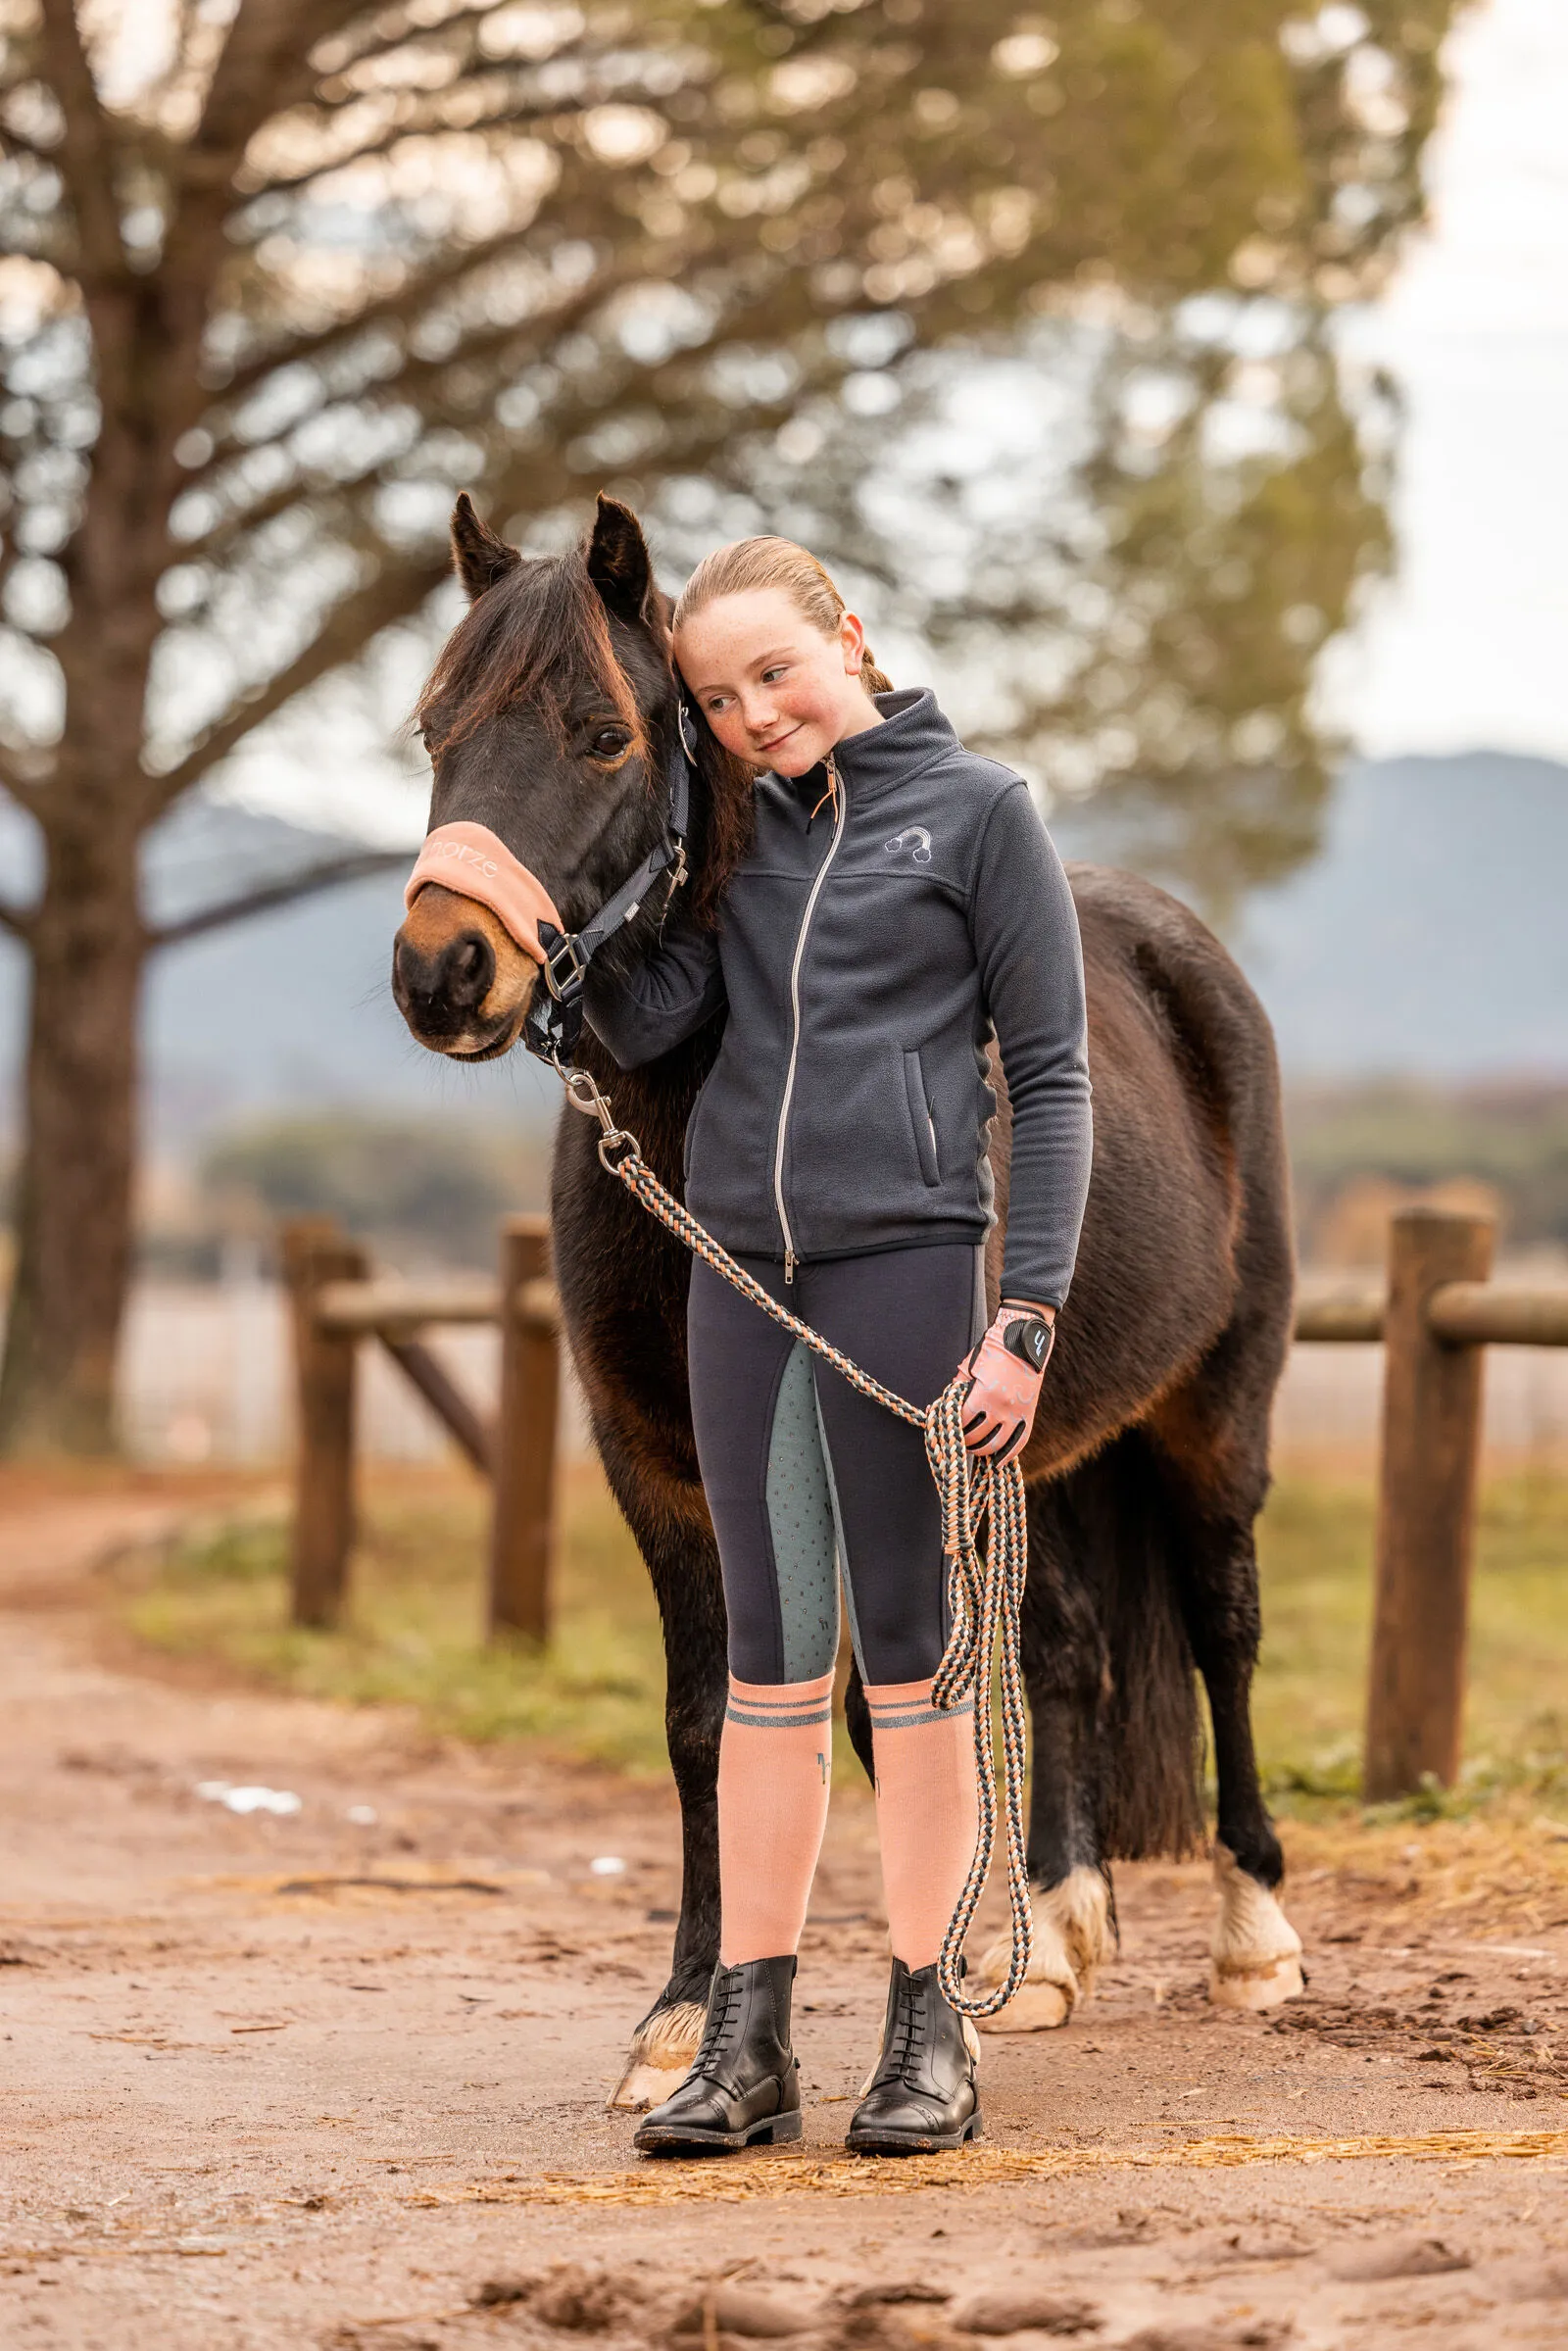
x=923 y=2094
x=743 y=2089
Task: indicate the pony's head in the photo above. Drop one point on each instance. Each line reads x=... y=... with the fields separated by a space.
x=548 y=719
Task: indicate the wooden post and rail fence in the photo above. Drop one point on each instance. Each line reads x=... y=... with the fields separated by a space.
x=1437 y=1313
x=337 y=1303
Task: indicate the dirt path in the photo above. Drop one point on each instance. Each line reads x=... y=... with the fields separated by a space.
x=253 y=2100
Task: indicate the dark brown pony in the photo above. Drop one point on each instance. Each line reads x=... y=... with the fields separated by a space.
x=548 y=719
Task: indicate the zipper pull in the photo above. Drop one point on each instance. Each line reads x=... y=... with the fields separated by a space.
x=831 y=793
x=790 y=1263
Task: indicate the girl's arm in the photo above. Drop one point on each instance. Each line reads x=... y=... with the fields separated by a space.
x=1025 y=931
x=659 y=1002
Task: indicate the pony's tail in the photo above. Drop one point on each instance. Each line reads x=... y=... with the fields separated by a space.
x=1108 y=1527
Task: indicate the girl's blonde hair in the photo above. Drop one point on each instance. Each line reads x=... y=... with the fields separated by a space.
x=771 y=563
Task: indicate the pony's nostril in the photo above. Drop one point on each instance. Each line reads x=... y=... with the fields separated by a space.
x=468 y=968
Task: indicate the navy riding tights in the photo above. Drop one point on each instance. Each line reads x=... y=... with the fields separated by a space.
x=805 y=1477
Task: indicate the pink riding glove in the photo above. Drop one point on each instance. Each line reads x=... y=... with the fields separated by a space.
x=1007 y=1368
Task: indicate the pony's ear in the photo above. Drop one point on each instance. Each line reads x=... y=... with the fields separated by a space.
x=618 y=563
x=478 y=556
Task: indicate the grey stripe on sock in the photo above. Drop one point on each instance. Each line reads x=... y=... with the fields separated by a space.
x=815 y=1716
x=881 y=1721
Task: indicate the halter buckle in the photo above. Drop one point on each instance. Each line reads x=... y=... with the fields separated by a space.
x=565 y=952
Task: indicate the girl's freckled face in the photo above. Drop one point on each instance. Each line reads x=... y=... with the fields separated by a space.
x=773 y=689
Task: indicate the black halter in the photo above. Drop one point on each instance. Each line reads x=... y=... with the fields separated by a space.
x=555 y=1016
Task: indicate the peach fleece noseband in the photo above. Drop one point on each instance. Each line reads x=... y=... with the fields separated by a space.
x=474 y=862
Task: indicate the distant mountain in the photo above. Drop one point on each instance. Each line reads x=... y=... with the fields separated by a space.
x=1430 y=937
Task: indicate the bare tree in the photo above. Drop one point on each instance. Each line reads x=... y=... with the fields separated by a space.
x=282 y=275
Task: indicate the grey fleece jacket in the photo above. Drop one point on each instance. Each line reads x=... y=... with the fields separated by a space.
x=865 y=958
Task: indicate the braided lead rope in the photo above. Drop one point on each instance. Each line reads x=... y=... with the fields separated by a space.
x=986 y=1595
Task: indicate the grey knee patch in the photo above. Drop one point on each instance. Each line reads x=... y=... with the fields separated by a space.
x=844 y=1578
x=801 y=1523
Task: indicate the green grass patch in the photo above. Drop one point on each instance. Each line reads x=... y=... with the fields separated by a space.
x=1315 y=1558
x=414 y=1632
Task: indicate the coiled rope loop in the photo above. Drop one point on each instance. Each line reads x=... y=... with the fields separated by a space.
x=985 y=1590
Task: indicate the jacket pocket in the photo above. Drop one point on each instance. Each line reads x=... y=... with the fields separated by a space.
x=920 y=1119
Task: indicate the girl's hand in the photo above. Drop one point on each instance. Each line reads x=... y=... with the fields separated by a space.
x=1006 y=1371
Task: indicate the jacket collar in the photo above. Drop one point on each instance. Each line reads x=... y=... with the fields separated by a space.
x=912 y=736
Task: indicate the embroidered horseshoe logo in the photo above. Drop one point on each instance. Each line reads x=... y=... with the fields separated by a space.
x=922 y=843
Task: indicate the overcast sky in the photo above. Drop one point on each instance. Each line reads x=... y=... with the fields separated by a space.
x=1469 y=646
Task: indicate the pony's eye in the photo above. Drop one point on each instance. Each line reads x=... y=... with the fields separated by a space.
x=609 y=742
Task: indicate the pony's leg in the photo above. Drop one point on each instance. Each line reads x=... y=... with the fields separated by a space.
x=1256 y=1953
x=857 y=1720
x=1073 y=1916
x=682 y=1563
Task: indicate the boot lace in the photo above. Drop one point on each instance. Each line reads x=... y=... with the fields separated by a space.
x=722 y=2008
x=906 y=2042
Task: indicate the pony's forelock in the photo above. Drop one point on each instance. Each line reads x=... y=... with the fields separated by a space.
x=536 y=637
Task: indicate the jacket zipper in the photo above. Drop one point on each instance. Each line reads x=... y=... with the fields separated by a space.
x=841 y=798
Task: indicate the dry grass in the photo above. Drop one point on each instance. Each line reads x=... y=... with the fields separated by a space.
x=780 y=2174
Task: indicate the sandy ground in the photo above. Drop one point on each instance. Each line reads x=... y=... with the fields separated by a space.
x=339 y=2078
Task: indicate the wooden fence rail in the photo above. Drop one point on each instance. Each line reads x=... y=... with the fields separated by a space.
x=1436 y=1314
x=337 y=1303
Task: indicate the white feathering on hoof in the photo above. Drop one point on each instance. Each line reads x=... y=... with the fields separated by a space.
x=1072 y=1937
x=1255 y=1951
x=660 y=2056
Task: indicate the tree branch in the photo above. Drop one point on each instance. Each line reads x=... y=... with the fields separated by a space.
x=399 y=307
x=262 y=69
x=406 y=39
x=326 y=875
x=395 y=592
x=85 y=157
x=19 y=144
x=515 y=111
x=19 y=787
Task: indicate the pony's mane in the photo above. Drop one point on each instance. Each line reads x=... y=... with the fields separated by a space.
x=538 y=636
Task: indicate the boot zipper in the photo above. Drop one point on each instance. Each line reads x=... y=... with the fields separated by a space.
x=840 y=805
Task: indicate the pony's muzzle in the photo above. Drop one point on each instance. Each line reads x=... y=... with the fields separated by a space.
x=459 y=980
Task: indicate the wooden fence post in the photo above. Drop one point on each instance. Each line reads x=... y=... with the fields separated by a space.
x=1426 y=1510
x=314 y=1251
x=523 y=1527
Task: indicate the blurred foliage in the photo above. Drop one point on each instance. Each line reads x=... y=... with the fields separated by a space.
x=314 y=268
x=279 y=276
x=1512 y=1139
x=413 y=1189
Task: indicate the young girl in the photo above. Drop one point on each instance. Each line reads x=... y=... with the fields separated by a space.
x=899 y=903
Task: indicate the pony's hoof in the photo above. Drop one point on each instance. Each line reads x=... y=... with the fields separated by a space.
x=1256 y=1954
x=1071 y=1938
x=660 y=2058
x=1033 y=2008
x=1258 y=1988
x=642 y=2087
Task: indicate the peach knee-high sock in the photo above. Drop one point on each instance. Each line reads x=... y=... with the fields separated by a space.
x=927 y=1812
x=775 y=1765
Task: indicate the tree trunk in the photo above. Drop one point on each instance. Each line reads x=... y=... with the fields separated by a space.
x=75 y=1188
